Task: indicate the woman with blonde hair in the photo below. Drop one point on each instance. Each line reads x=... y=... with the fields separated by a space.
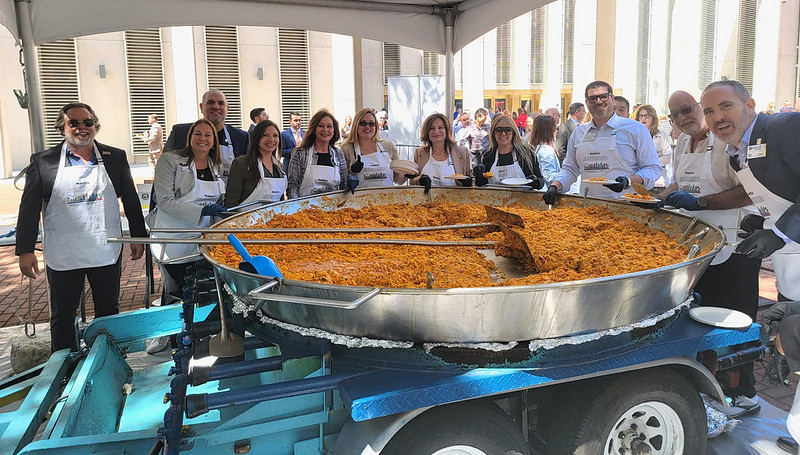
x=440 y=157
x=316 y=165
x=647 y=116
x=507 y=156
x=368 y=156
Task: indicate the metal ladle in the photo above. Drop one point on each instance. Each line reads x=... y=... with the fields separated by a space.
x=226 y=344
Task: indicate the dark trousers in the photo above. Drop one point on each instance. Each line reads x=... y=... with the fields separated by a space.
x=733 y=285
x=65 y=296
x=172 y=280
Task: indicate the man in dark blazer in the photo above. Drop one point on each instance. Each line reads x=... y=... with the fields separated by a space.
x=75 y=186
x=232 y=140
x=291 y=138
x=765 y=152
x=576 y=114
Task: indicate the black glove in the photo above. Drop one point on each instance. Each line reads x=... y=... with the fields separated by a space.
x=750 y=223
x=410 y=176
x=549 y=197
x=772 y=318
x=213 y=210
x=352 y=181
x=478 y=172
x=425 y=181
x=622 y=183
x=536 y=182
x=466 y=182
x=356 y=167
x=683 y=200
x=761 y=244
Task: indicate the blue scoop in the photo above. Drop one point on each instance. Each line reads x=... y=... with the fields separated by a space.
x=260 y=265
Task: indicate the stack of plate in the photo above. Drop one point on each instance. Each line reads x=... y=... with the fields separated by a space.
x=404 y=167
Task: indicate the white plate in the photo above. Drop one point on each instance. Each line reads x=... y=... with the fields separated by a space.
x=600 y=182
x=720 y=317
x=404 y=166
x=516 y=181
x=456 y=177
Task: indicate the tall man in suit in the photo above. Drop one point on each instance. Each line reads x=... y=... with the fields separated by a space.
x=291 y=138
x=763 y=151
x=576 y=114
x=232 y=140
x=75 y=186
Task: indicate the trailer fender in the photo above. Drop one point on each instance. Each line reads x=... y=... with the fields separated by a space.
x=369 y=437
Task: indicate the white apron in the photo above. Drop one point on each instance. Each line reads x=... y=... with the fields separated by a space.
x=82 y=213
x=227 y=156
x=376 y=170
x=693 y=175
x=599 y=157
x=438 y=170
x=268 y=188
x=203 y=193
x=513 y=170
x=319 y=179
x=771 y=206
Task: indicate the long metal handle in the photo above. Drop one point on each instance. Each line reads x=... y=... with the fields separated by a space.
x=259 y=294
x=151 y=241
x=233 y=230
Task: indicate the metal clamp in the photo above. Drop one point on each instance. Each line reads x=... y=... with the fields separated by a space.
x=259 y=294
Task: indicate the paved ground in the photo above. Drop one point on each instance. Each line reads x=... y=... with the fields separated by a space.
x=14 y=292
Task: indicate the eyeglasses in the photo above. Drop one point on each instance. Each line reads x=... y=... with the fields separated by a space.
x=673 y=115
x=369 y=124
x=644 y=115
x=595 y=98
x=87 y=122
x=503 y=130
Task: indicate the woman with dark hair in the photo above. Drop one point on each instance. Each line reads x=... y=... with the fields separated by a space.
x=544 y=127
x=258 y=176
x=647 y=116
x=187 y=192
x=440 y=158
x=507 y=156
x=368 y=156
x=317 y=166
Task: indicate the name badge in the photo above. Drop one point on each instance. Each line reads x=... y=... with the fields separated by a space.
x=756 y=151
x=590 y=136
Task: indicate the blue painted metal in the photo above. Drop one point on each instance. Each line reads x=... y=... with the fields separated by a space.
x=201 y=375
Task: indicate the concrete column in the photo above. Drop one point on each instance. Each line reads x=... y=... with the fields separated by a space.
x=604 y=38
x=786 y=71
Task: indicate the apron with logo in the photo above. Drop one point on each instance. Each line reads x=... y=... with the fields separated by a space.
x=438 y=170
x=203 y=193
x=82 y=213
x=599 y=157
x=376 y=170
x=227 y=156
x=508 y=171
x=318 y=178
x=268 y=189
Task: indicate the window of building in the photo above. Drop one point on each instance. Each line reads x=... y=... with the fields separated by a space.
x=504 y=53
x=430 y=64
x=222 y=68
x=391 y=61
x=568 y=47
x=746 y=42
x=58 y=81
x=294 y=78
x=538 y=30
x=145 y=83
x=708 y=24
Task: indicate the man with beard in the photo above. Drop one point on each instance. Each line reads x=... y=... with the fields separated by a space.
x=706 y=187
x=232 y=140
x=618 y=150
x=75 y=186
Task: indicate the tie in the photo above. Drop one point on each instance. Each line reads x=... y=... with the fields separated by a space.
x=296 y=138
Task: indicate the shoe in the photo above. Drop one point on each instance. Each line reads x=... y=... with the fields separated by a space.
x=741 y=405
x=157 y=345
x=788 y=444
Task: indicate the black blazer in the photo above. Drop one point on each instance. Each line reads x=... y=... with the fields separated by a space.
x=39 y=180
x=177 y=138
x=779 y=170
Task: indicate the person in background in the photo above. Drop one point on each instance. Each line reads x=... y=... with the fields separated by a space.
x=609 y=147
x=464 y=120
x=154 y=138
x=507 y=156
x=476 y=136
x=553 y=112
x=367 y=155
x=188 y=191
x=76 y=187
x=258 y=114
x=622 y=107
x=440 y=157
x=317 y=166
x=647 y=116
x=576 y=114
x=258 y=176
x=526 y=134
x=348 y=125
x=542 y=140
x=291 y=138
x=522 y=118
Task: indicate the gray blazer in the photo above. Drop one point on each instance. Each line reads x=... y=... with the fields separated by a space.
x=169 y=185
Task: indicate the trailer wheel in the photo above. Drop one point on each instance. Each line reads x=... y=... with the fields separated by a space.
x=460 y=429
x=658 y=413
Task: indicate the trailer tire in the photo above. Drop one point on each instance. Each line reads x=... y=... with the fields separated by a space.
x=659 y=408
x=459 y=429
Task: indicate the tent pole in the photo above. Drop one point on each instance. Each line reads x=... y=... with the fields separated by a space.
x=30 y=72
x=449 y=19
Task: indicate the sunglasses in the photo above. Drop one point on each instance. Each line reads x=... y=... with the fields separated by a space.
x=369 y=124
x=503 y=130
x=595 y=98
x=673 y=115
x=88 y=123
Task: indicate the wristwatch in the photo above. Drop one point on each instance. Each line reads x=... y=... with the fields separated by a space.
x=702 y=202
